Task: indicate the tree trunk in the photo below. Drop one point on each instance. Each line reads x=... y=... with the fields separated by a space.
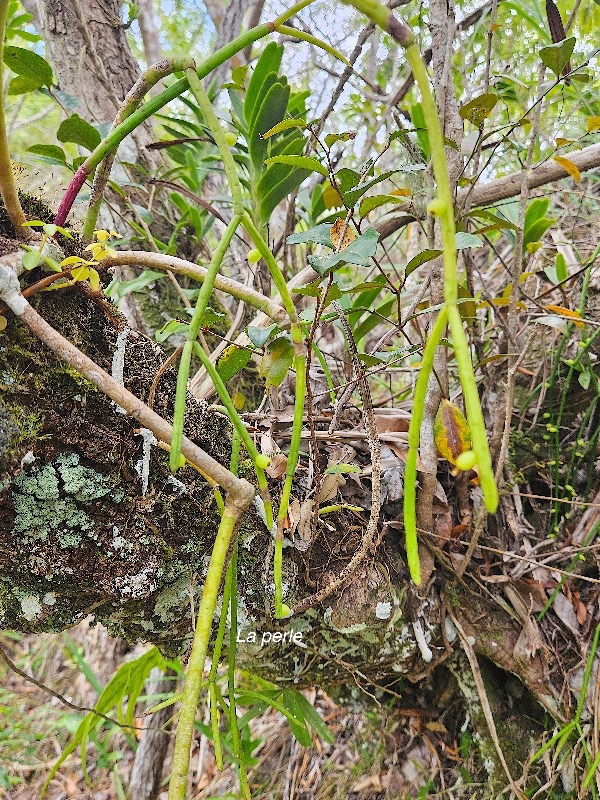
x=87 y=47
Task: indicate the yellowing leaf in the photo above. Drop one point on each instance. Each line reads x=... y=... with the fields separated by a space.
x=331 y=198
x=401 y=193
x=3 y=323
x=239 y=400
x=94 y=279
x=575 y=316
x=593 y=124
x=337 y=228
x=66 y=262
x=451 y=431
x=569 y=167
x=560 y=142
x=80 y=273
x=495 y=27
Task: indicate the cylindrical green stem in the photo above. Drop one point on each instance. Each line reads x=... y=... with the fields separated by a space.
x=8 y=189
x=473 y=409
x=193 y=678
x=211 y=119
x=273 y=267
x=414 y=430
x=292 y=463
x=184 y=365
x=235 y=418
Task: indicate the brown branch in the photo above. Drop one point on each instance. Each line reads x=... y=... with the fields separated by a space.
x=510 y=186
x=488 y=194
x=241 y=491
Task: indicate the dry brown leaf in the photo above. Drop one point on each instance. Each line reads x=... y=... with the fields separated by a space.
x=336 y=233
x=437 y=727
x=293 y=515
x=330 y=487
x=368 y=782
x=303 y=536
x=392 y=423
x=278 y=466
x=564 y=611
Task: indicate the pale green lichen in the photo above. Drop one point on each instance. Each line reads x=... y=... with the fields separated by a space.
x=40 y=508
x=83 y=483
x=171 y=601
x=30 y=607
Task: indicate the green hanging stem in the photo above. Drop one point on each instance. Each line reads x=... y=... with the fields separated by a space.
x=299 y=365
x=261 y=462
x=193 y=678
x=443 y=208
x=186 y=355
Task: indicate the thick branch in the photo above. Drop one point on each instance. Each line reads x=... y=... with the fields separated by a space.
x=487 y=194
x=240 y=490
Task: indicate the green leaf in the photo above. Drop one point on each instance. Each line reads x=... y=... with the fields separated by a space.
x=367 y=325
x=210 y=316
x=346 y=179
x=77 y=130
x=277 y=361
x=535 y=210
x=271 y=111
x=232 y=360
x=259 y=336
x=239 y=74
x=29 y=65
x=310 y=715
x=466 y=240
x=332 y=138
x=49 y=151
x=342 y=469
x=351 y=197
x=268 y=63
x=477 y=110
x=359 y=252
x=312 y=289
x=301 y=162
x=421 y=258
x=497 y=222
x=169 y=328
x=31 y=259
x=22 y=85
x=284 y=125
x=418 y=120
x=556 y=56
x=562 y=272
x=319 y=235
x=535 y=231
x=279 y=191
x=584 y=379
x=118 y=289
x=369 y=203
